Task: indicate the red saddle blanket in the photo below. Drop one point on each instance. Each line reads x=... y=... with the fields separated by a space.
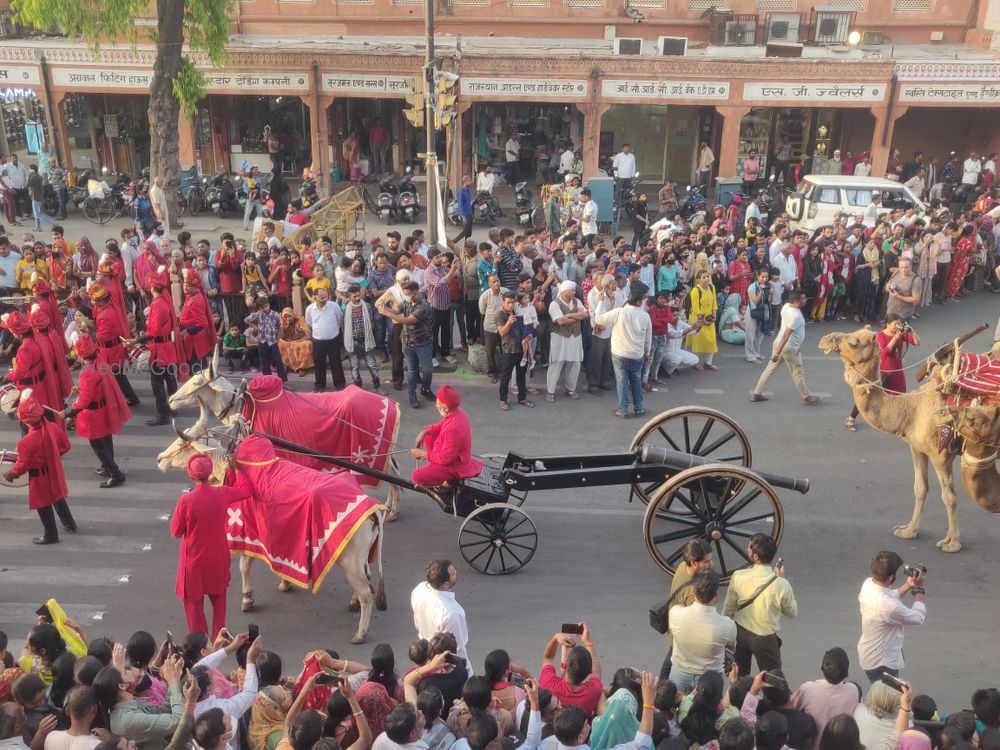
x=352 y=424
x=979 y=374
x=299 y=520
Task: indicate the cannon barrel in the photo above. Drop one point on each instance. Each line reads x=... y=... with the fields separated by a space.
x=653 y=454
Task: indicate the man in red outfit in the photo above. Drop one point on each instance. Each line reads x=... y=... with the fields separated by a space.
x=39 y=456
x=199 y=521
x=161 y=335
x=51 y=338
x=197 y=325
x=100 y=411
x=110 y=334
x=447 y=445
x=32 y=367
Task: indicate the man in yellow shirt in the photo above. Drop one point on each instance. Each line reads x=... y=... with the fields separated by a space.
x=758 y=597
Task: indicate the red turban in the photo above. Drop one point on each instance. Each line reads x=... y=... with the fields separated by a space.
x=160 y=279
x=40 y=286
x=200 y=467
x=29 y=410
x=17 y=322
x=192 y=279
x=449 y=396
x=39 y=318
x=86 y=347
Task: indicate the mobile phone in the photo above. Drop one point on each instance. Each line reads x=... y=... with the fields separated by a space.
x=773 y=680
x=327 y=678
x=253 y=632
x=572 y=628
x=894 y=682
x=43 y=611
x=455 y=660
x=730 y=656
x=516 y=680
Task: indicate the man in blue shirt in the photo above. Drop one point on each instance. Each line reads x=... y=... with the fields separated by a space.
x=465 y=208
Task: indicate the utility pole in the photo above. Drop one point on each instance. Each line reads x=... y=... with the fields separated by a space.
x=430 y=158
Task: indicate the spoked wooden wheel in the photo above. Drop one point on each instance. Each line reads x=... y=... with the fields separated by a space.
x=722 y=504
x=497 y=539
x=697 y=430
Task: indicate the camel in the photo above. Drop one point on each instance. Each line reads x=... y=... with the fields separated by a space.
x=980 y=427
x=913 y=417
x=360 y=561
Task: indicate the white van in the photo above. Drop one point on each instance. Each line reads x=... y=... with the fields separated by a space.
x=819 y=197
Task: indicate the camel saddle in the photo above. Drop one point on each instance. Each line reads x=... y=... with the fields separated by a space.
x=976 y=379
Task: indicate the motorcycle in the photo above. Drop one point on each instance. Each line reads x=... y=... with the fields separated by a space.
x=220 y=195
x=307 y=192
x=78 y=193
x=692 y=203
x=486 y=207
x=386 y=200
x=408 y=201
x=522 y=203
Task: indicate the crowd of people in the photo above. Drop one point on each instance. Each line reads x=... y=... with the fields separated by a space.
x=221 y=691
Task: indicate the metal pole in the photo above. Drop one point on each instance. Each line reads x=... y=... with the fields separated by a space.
x=430 y=158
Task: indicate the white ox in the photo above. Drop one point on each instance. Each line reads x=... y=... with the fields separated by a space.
x=367 y=584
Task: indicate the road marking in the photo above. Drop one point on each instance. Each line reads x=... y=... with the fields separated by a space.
x=75 y=543
x=709 y=391
x=71 y=575
x=23 y=613
x=85 y=514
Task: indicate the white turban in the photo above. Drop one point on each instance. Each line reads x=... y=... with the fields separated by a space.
x=567 y=286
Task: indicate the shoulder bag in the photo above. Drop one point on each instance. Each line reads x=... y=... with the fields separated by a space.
x=659 y=617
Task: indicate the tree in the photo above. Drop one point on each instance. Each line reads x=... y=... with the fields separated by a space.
x=177 y=85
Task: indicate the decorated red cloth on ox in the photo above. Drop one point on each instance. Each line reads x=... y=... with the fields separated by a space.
x=353 y=423
x=299 y=520
x=979 y=374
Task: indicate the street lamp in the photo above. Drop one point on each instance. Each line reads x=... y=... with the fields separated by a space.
x=854 y=38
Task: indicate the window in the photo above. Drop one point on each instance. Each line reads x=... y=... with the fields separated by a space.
x=585 y=3
x=912 y=6
x=775 y=4
x=826 y=195
x=524 y=3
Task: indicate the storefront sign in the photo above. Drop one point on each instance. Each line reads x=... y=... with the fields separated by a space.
x=540 y=87
x=83 y=78
x=664 y=89
x=814 y=92
x=362 y=84
x=18 y=76
x=950 y=92
x=256 y=82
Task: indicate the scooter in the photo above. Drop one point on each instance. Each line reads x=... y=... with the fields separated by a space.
x=486 y=207
x=386 y=200
x=220 y=195
x=692 y=203
x=408 y=201
x=523 y=203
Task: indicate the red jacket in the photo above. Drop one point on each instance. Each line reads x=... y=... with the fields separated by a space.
x=200 y=520
x=449 y=443
x=102 y=408
x=196 y=313
x=33 y=369
x=50 y=339
x=661 y=317
x=228 y=268
x=159 y=328
x=109 y=331
x=38 y=456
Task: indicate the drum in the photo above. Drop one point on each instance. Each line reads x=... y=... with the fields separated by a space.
x=9 y=397
x=7 y=460
x=138 y=358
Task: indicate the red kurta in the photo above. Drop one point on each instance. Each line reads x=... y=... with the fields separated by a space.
x=196 y=312
x=38 y=455
x=891 y=363
x=32 y=370
x=109 y=333
x=159 y=327
x=50 y=340
x=449 y=446
x=103 y=408
x=200 y=520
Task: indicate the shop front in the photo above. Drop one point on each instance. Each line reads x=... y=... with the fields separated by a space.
x=545 y=114
x=23 y=122
x=805 y=133
x=234 y=133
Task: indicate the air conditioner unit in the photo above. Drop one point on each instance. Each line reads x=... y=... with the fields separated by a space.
x=871 y=38
x=831 y=26
x=783 y=27
x=740 y=33
x=628 y=46
x=672 y=45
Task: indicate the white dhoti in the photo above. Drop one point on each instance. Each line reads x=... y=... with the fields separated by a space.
x=678 y=360
x=565 y=355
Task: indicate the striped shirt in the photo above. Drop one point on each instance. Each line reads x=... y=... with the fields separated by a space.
x=438 y=294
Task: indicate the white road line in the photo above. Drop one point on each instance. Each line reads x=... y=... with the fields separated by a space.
x=75 y=542
x=85 y=514
x=42 y=576
x=23 y=613
x=709 y=391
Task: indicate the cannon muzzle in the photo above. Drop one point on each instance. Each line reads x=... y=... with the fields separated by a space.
x=653 y=454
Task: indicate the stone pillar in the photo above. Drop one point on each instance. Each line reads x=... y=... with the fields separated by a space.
x=321 y=147
x=882 y=146
x=729 y=150
x=592 y=114
x=58 y=118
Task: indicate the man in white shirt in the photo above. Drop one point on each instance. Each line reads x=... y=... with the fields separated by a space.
x=753 y=209
x=566 y=160
x=700 y=634
x=158 y=199
x=16 y=177
x=916 y=183
x=863 y=168
x=706 y=158
x=787 y=268
x=512 y=150
x=971 y=170
x=436 y=610
x=588 y=217
x=787 y=348
x=780 y=237
x=326 y=322
x=237 y=705
x=883 y=615
x=624 y=163
x=8 y=266
x=675 y=357
x=631 y=342
x=486 y=180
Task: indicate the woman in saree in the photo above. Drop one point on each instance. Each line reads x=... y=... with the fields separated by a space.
x=961 y=258
x=740 y=275
x=619 y=722
x=294 y=342
x=867 y=275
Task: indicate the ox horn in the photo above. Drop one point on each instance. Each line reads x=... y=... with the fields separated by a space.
x=199 y=427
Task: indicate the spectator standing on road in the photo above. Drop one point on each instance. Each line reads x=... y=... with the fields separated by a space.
x=509 y=330
x=436 y=610
x=265 y=324
x=158 y=199
x=631 y=342
x=36 y=185
x=833 y=695
x=251 y=183
x=699 y=633
x=464 y=204
x=490 y=303
x=566 y=342
x=444 y=267
x=326 y=322
x=57 y=179
x=883 y=615
x=418 y=344
x=758 y=597
x=512 y=151
x=378 y=139
x=696 y=555
x=16 y=177
x=788 y=348
x=588 y=217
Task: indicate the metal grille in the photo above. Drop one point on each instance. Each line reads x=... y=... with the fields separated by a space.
x=775 y=4
x=465 y=2
x=585 y=3
x=408 y=2
x=355 y=2
x=702 y=4
x=852 y=4
x=646 y=3
x=529 y=3
x=912 y=6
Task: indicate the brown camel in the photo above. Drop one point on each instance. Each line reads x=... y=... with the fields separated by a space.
x=980 y=426
x=914 y=417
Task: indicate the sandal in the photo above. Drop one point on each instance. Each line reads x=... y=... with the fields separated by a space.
x=526 y=403
x=533 y=391
x=504 y=406
x=849 y=424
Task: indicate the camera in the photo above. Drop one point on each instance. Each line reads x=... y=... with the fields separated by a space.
x=911 y=570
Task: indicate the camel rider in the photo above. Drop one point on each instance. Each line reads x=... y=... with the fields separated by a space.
x=447 y=445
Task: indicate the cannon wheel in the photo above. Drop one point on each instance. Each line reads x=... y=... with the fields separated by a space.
x=497 y=539
x=692 y=429
x=722 y=504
